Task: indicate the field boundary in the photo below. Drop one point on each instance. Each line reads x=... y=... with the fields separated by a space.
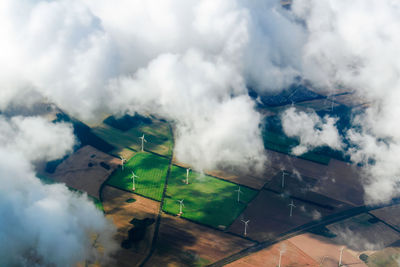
x=385 y=223
x=223 y=179
x=160 y=211
x=327 y=207
x=215 y=228
x=301 y=230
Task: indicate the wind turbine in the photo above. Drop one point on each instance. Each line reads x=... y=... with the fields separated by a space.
x=143 y=141
x=280 y=258
x=187 y=175
x=123 y=160
x=238 y=194
x=180 y=206
x=340 y=258
x=330 y=97
x=246 y=223
x=133 y=180
x=291 y=205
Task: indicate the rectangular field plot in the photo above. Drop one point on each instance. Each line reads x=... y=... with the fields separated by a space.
x=151 y=171
x=207 y=200
x=281 y=143
x=157 y=133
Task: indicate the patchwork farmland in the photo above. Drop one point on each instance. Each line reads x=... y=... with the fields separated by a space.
x=151 y=170
x=212 y=214
x=207 y=200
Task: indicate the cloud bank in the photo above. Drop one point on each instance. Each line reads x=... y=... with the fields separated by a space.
x=41 y=224
x=311 y=130
x=356 y=46
x=182 y=60
x=191 y=62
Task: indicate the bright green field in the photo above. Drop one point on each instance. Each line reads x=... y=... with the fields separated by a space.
x=207 y=200
x=152 y=171
x=157 y=134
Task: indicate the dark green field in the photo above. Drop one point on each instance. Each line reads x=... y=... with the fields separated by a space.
x=157 y=133
x=207 y=200
x=282 y=143
x=152 y=171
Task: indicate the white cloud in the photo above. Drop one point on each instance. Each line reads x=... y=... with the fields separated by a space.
x=311 y=130
x=74 y=53
x=36 y=137
x=356 y=45
x=43 y=224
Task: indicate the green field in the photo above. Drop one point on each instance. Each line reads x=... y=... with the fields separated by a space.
x=152 y=172
x=207 y=200
x=158 y=136
x=282 y=143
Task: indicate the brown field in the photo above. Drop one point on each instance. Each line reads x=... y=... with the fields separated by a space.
x=121 y=212
x=76 y=173
x=183 y=243
x=342 y=182
x=351 y=100
x=253 y=181
x=390 y=215
x=363 y=232
x=269 y=216
x=301 y=187
x=269 y=257
x=339 y=180
x=324 y=251
x=307 y=168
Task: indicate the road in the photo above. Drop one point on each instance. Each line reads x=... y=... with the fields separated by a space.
x=300 y=230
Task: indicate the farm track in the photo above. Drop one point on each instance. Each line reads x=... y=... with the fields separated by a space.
x=158 y=220
x=301 y=230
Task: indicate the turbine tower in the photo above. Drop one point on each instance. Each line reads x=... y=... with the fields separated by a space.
x=246 y=223
x=181 y=205
x=238 y=193
x=330 y=97
x=123 y=160
x=340 y=258
x=143 y=141
x=291 y=205
x=187 y=175
x=133 y=180
x=280 y=258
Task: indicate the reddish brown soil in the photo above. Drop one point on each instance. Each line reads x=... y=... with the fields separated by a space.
x=324 y=251
x=291 y=256
x=183 y=243
x=76 y=173
x=269 y=216
x=122 y=212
